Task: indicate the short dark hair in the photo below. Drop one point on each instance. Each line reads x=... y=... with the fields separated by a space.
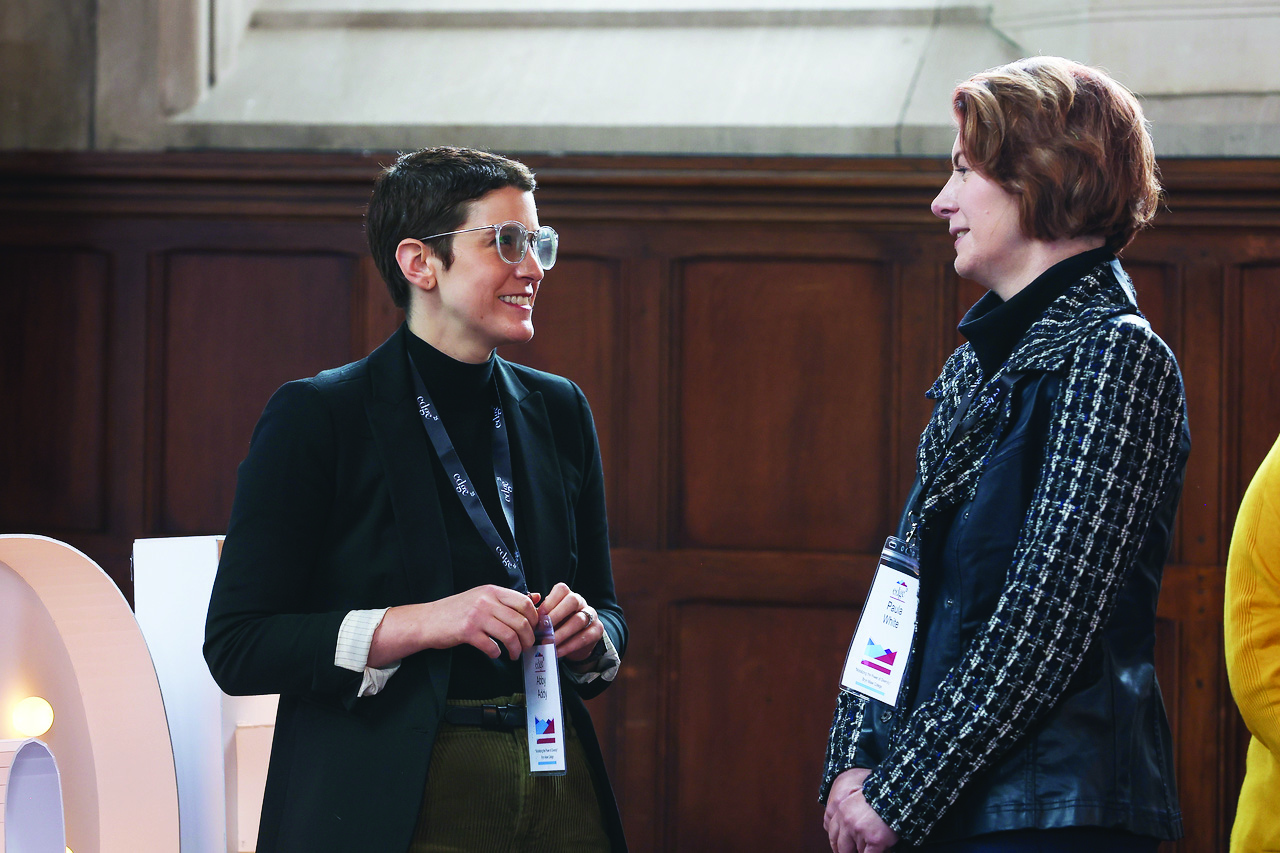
x=429 y=192
x=1068 y=140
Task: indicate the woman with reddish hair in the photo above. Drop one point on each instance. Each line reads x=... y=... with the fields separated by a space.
x=1029 y=717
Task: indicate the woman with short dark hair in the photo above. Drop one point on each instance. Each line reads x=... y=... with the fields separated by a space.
x=1029 y=717
x=373 y=574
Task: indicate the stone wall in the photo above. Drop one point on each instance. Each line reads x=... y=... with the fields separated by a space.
x=835 y=77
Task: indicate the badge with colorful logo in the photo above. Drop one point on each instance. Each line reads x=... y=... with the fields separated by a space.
x=543 y=707
x=881 y=646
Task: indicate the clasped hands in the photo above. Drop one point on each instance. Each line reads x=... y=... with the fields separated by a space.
x=491 y=618
x=852 y=825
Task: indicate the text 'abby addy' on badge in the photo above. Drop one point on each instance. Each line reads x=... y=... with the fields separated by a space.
x=877 y=657
x=544 y=710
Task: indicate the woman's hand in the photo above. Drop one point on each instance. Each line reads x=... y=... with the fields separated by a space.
x=852 y=825
x=491 y=618
x=577 y=627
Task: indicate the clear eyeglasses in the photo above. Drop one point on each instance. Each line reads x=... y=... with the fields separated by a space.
x=513 y=240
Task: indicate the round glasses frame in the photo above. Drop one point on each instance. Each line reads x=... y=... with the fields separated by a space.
x=545 y=242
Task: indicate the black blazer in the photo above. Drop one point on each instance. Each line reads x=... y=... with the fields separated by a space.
x=336 y=509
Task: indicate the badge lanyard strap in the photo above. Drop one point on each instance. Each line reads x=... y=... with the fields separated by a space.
x=462 y=484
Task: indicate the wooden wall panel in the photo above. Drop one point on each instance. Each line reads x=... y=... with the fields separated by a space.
x=783 y=417
x=1158 y=299
x=235 y=327
x=923 y=331
x=1259 y=352
x=1189 y=666
x=1203 y=510
x=756 y=336
x=53 y=463
x=745 y=716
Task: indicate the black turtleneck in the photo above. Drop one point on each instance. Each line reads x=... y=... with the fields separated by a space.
x=994 y=327
x=464 y=394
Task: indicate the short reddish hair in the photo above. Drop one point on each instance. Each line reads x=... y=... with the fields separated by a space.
x=1068 y=140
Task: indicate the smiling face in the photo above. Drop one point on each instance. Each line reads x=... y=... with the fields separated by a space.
x=983 y=218
x=480 y=302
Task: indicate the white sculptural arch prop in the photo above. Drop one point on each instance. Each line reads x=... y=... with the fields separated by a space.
x=109 y=730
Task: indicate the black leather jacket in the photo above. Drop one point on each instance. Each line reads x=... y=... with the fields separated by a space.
x=1103 y=756
x=1003 y=574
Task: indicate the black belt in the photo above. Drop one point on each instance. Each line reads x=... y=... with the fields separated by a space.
x=500 y=717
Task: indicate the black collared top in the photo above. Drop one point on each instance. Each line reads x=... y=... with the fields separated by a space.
x=994 y=327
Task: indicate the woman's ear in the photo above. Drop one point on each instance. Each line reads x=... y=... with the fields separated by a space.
x=418 y=263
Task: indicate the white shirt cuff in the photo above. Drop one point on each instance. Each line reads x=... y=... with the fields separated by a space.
x=606 y=667
x=355 y=636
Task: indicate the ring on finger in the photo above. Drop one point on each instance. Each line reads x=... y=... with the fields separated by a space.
x=591 y=617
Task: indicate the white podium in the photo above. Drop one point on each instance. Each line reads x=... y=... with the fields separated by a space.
x=221 y=743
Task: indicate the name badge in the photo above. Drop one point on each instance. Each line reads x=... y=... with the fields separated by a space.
x=878 y=655
x=544 y=710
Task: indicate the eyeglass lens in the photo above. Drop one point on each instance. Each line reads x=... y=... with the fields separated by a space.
x=513 y=242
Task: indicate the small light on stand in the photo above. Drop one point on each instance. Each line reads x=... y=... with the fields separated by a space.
x=33 y=716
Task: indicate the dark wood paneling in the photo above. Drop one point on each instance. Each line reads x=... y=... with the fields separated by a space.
x=235 y=327
x=1157 y=289
x=1205 y=379
x=1259 y=355
x=54 y=382
x=923 y=332
x=1193 y=680
x=742 y=725
x=784 y=417
x=755 y=335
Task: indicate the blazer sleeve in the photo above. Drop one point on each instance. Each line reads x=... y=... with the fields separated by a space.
x=1112 y=450
x=264 y=634
x=851 y=741
x=1252 y=623
x=594 y=575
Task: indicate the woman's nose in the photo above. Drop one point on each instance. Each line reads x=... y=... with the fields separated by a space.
x=944 y=203
x=529 y=266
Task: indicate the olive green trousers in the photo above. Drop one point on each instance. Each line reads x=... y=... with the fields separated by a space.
x=481 y=798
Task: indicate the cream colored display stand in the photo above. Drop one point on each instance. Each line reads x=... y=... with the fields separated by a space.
x=221 y=743
x=68 y=635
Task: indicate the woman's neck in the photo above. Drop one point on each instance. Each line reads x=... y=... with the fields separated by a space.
x=459 y=350
x=1040 y=256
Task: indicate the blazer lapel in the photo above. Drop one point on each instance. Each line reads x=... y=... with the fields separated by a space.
x=406 y=463
x=542 y=514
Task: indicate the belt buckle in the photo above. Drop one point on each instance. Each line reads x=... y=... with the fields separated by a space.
x=490 y=717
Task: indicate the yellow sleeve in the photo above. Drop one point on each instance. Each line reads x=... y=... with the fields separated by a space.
x=1252 y=618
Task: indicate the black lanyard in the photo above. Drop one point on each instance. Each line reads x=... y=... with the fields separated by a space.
x=462 y=484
